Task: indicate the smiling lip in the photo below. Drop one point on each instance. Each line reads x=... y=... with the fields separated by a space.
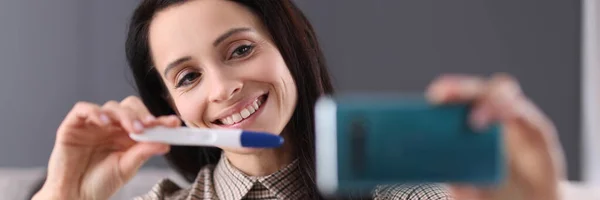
x=238 y=108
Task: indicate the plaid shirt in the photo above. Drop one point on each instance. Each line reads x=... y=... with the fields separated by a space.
x=226 y=182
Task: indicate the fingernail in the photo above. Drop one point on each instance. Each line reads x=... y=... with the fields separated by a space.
x=137 y=125
x=105 y=120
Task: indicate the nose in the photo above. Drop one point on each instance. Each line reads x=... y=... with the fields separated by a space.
x=222 y=87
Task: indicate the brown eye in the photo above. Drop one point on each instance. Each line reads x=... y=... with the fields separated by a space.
x=242 y=51
x=188 y=79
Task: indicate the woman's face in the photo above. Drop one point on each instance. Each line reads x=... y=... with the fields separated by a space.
x=221 y=68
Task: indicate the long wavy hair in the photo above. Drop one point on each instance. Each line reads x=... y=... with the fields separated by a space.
x=297 y=43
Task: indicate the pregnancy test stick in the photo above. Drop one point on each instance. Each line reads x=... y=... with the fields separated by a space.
x=185 y=136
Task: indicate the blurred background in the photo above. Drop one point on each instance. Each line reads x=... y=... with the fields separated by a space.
x=55 y=53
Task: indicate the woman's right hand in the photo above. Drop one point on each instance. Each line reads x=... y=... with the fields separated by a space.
x=93 y=156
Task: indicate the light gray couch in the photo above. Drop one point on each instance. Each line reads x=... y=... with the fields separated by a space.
x=15 y=184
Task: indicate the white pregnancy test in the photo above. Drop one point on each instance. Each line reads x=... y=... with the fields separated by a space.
x=184 y=136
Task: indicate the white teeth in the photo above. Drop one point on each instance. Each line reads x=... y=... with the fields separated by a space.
x=226 y=121
x=236 y=117
x=245 y=113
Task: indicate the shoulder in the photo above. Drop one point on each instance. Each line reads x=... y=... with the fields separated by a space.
x=412 y=192
x=166 y=189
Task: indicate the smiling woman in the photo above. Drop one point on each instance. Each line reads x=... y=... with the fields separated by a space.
x=228 y=64
x=257 y=66
x=253 y=65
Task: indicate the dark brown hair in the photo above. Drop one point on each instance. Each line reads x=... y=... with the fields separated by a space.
x=296 y=41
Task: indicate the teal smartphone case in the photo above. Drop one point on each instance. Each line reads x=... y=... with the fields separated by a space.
x=387 y=139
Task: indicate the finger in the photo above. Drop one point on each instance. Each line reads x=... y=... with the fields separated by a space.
x=171 y=121
x=532 y=117
x=530 y=134
x=455 y=89
x=481 y=116
x=507 y=100
x=136 y=105
x=78 y=117
x=137 y=155
x=80 y=113
x=124 y=117
x=504 y=93
x=99 y=119
x=466 y=192
x=493 y=103
x=122 y=141
x=540 y=140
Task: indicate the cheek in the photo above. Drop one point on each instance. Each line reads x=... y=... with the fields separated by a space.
x=289 y=88
x=271 y=68
x=190 y=111
x=275 y=72
x=268 y=70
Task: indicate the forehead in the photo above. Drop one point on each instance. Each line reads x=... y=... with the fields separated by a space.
x=196 y=24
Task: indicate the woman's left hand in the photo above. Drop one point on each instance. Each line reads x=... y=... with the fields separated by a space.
x=535 y=160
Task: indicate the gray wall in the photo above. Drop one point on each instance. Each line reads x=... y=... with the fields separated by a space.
x=55 y=53
x=43 y=73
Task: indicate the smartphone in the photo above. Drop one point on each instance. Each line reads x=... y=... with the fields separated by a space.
x=366 y=140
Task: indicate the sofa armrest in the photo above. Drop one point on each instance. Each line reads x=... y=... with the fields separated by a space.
x=579 y=191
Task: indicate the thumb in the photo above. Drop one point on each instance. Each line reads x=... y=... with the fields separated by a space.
x=137 y=155
x=468 y=192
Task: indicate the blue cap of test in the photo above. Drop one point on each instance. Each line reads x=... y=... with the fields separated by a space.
x=260 y=140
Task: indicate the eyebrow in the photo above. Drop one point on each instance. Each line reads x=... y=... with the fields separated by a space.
x=228 y=34
x=175 y=63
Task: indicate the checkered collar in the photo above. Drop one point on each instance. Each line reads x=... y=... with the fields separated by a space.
x=231 y=183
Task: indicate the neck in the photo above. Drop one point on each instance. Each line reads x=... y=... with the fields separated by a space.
x=262 y=162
